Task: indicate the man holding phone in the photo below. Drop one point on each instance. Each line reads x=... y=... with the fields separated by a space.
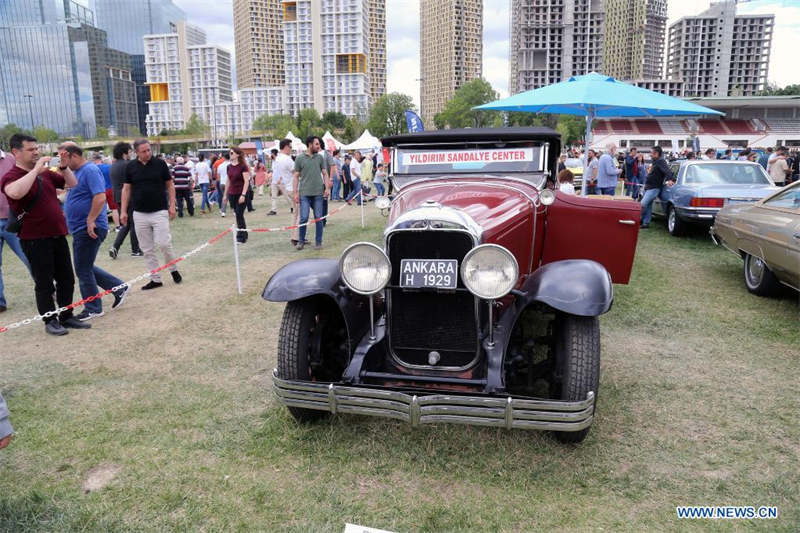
x=31 y=189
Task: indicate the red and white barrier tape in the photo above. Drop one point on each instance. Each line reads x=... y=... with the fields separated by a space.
x=127 y=284
x=287 y=228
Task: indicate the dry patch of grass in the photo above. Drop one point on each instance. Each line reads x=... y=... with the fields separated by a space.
x=169 y=397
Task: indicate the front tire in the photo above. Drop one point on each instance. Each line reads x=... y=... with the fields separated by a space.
x=577 y=352
x=675 y=226
x=758 y=278
x=312 y=346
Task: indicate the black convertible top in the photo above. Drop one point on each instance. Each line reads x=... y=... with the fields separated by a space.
x=474 y=135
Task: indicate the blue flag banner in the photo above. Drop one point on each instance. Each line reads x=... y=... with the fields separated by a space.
x=260 y=150
x=413 y=122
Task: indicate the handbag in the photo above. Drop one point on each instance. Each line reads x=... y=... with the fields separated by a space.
x=15 y=221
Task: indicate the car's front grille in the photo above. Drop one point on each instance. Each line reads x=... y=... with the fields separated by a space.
x=422 y=321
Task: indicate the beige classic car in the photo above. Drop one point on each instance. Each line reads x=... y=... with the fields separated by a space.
x=766 y=234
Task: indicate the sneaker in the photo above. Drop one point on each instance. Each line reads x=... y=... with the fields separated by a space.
x=112 y=253
x=55 y=328
x=291 y=209
x=137 y=254
x=222 y=214
x=272 y=213
x=152 y=285
x=74 y=323
x=318 y=246
x=119 y=297
x=300 y=245
x=85 y=315
x=176 y=276
x=117 y=229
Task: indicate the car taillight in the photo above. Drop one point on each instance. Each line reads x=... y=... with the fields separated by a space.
x=707 y=202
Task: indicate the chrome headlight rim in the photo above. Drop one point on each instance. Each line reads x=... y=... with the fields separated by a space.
x=478 y=249
x=350 y=285
x=547 y=197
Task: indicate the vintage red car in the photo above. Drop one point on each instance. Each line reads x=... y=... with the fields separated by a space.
x=482 y=305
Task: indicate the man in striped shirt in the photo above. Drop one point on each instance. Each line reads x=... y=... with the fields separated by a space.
x=184 y=186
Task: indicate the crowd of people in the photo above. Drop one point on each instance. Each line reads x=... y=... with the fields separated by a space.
x=43 y=199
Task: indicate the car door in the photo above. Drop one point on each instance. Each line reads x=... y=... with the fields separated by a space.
x=586 y=227
x=778 y=221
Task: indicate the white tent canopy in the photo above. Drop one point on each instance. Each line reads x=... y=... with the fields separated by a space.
x=297 y=144
x=367 y=141
x=328 y=139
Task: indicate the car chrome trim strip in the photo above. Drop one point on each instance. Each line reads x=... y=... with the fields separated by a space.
x=504 y=412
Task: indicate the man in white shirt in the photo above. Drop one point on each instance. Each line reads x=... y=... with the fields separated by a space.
x=355 y=177
x=282 y=177
x=222 y=176
x=778 y=167
x=202 y=176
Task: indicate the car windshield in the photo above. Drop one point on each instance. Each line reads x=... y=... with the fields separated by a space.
x=788 y=199
x=733 y=174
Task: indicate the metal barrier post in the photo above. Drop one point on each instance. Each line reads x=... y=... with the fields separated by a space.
x=235 y=234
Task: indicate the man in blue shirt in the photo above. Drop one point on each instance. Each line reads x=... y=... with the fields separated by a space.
x=607 y=172
x=88 y=223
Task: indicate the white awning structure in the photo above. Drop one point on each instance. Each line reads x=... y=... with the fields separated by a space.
x=367 y=141
x=297 y=144
x=329 y=140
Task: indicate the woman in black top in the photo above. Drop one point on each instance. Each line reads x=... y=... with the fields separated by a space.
x=238 y=188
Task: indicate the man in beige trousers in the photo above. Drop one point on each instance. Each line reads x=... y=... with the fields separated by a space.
x=148 y=184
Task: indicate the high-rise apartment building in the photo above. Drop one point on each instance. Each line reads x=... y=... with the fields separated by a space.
x=451 y=50
x=57 y=70
x=718 y=53
x=552 y=40
x=126 y=22
x=258 y=33
x=327 y=50
x=377 y=48
x=633 y=38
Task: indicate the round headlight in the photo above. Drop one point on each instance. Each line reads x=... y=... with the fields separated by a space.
x=547 y=197
x=365 y=268
x=489 y=271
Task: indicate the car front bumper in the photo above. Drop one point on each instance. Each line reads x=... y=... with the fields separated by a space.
x=417 y=409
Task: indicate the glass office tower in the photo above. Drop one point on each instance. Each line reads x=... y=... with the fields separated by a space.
x=142 y=17
x=45 y=77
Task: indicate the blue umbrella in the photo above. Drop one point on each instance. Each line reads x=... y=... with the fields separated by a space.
x=597 y=96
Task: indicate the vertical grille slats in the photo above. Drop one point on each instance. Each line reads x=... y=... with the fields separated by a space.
x=421 y=321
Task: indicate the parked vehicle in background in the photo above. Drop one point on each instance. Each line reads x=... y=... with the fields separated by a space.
x=481 y=306
x=702 y=188
x=766 y=235
x=575 y=165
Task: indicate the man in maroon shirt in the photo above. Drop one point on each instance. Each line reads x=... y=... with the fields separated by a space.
x=44 y=229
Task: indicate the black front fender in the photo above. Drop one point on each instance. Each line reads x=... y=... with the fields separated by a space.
x=320 y=277
x=575 y=286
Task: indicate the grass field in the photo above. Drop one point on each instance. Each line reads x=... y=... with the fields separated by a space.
x=161 y=416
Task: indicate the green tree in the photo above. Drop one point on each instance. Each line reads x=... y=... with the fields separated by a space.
x=772 y=89
x=458 y=112
x=353 y=129
x=333 y=120
x=308 y=123
x=571 y=127
x=7 y=131
x=195 y=126
x=102 y=133
x=387 y=116
x=274 y=126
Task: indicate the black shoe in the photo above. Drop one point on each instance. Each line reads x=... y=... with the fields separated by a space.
x=55 y=328
x=119 y=297
x=176 y=276
x=2 y=308
x=272 y=213
x=152 y=285
x=137 y=254
x=85 y=315
x=74 y=323
x=644 y=226
x=112 y=253
x=300 y=245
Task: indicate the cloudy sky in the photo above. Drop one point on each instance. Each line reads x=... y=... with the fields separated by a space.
x=402 y=40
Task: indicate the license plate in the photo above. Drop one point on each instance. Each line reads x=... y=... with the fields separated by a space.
x=433 y=273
